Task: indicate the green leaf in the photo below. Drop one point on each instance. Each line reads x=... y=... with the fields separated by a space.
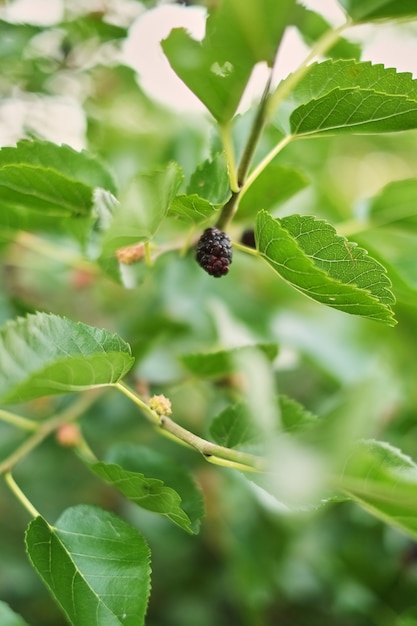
x=76 y=166
x=236 y=427
x=191 y=208
x=368 y=10
x=322 y=78
x=308 y=254
x=354 y=110
x=44 y=354
x=224 y=362
x=95 y=565
x=211 y=181
x=396 y=204
x=312 y=26
x=143 y=206
x=154 y=482
x=384 y=481
x=46 y=187
x=275 y=185
x=238 y=36
x=9 y=618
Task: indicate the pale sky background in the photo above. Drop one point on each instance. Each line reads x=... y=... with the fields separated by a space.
x=143 y=52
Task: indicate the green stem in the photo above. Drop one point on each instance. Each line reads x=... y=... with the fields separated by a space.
x=17 y=420
x=322 y=45
x=48 y=249
x=227 y=142
x=265 y=161
x=256 y=131
x=69 y=414
x=211 y=451
x=13 y=486
x=228 y=211
x=148 y=257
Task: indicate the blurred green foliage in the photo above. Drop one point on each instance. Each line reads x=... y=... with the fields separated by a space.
x=253 y=564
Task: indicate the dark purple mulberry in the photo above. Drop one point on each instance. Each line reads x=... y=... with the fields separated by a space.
x=214 y=252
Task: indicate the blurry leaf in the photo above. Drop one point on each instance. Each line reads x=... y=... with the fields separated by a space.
x=235 y=427
x=308 y=254
x=45 y=156
x=143 y=206
x=275 y=185
x=238 y=36
x=367 y=10
x=91 y=26
x=224 y=362
x=383 y=480
x=397 y=250
x=48 y=187
x=95 y=565
x=191 y=208
x=294 y=417
x=43 y=190
x=9 y=618
x=322 y=78
x=14 y=38
x=154 y=482
x=45 y=354
x=211 y=181
x=355 y=110
x=312 y=26
x=396 y=205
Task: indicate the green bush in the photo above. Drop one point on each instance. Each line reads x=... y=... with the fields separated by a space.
x=253 y=432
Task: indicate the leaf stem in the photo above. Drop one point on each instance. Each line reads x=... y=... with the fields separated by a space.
x=254 y=136
x=265 y=161
x=326 y=41
x=226 y=137
x=13 y=486
x=17 y=420
x=212 y=452
x=70 y=414
x=47 y=249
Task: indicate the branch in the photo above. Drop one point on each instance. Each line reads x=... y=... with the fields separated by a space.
x=212 y=452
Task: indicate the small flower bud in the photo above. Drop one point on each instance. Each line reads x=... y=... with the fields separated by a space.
x=131 y=254
x=68 y=435
x=160 y=404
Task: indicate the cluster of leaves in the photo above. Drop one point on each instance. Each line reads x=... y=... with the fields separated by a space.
x=66 y=204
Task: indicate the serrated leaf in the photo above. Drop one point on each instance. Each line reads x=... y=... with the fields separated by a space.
x=78 y=166
x=323 y=77
x=312 y=26
x=354 y=110
x=95 y=565
x=238 y=35
x=9 y=617
x=44 y=354
x=223 y=362
x=309 y=254
x=384 y=481
x=235 y=427
x=154 y=482
x=210 y=181
x=275 y=185
x=191 y=208
x=48 y=187
x=368 y=10
x=143 y=206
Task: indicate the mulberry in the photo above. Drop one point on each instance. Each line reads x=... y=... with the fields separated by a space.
x=214 y=252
